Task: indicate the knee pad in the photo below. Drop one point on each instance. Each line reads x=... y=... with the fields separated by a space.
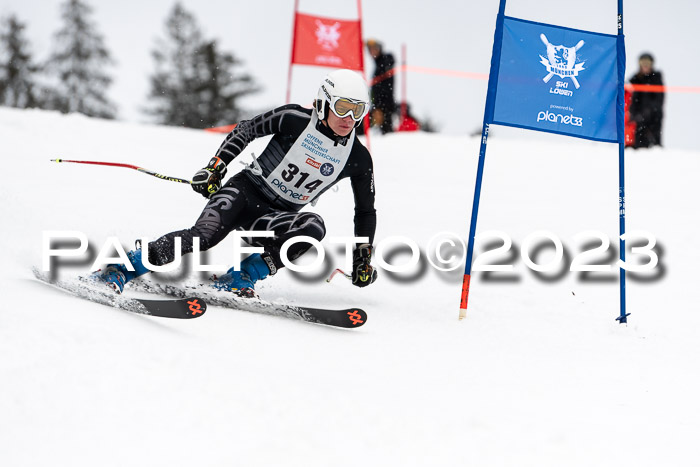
x=312 y=225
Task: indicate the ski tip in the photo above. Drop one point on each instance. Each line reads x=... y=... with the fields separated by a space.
x=196 y=307
x=356 y=317
x=347 y=318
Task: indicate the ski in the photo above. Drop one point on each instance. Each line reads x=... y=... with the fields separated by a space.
x=344 y=318
x=181 y=307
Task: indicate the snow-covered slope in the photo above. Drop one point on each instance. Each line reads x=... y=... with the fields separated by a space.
x=538 y=374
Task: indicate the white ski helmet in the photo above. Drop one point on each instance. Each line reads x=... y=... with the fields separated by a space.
x=343 y=92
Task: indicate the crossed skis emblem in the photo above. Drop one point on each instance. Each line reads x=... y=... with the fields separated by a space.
x=561 y=61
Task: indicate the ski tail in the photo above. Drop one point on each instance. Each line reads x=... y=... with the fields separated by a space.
x=182 y=308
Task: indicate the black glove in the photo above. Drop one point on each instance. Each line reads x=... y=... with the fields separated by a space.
x=207 y=181
x=363 y=274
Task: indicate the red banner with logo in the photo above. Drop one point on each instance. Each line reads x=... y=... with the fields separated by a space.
x=327 y=42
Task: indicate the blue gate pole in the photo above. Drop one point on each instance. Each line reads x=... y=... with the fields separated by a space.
x=472 y=226
x=621 y=59
x=488 y=118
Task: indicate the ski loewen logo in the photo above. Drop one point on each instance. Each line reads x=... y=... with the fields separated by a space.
x=561 y=61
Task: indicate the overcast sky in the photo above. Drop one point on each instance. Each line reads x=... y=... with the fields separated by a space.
x=442 y=34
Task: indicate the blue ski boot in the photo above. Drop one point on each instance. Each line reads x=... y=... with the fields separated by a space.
x=255 y=267
x=116 y=275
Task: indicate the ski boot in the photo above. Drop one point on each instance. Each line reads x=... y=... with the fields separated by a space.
x=255 y=267
x=116 y=275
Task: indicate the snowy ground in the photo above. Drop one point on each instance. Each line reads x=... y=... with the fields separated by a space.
x=538 y=374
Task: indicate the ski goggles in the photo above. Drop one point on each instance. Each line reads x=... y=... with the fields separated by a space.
x=342 y=106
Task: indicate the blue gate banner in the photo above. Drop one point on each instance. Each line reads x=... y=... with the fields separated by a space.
x=558 y=80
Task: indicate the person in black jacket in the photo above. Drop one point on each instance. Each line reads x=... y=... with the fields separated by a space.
x=310 y=151
x=646 y=108
x=383 y=103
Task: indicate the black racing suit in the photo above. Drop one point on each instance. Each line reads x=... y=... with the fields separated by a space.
x=303 y=159
x=383 y=91
x=646 y=109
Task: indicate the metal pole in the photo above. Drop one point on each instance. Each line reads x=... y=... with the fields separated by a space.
x=128 y=166
x=291 y=56
x=621 y=59
x=404 y=94
x=365 y=121
x=488 y=119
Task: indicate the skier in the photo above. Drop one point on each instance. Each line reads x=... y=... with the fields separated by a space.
x=310 y=151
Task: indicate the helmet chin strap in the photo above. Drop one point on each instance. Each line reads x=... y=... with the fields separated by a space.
x=324 y=127
x=325 y=124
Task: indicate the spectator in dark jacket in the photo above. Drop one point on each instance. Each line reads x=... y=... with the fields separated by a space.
x=646 y=108
x=382 y=92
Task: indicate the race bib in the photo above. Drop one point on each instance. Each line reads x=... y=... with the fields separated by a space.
x=312 y=163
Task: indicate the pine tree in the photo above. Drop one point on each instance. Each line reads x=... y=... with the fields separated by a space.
x=17 y=84
x=194 y=85
x=219 y=89
x=172 y=104
x=78 y=61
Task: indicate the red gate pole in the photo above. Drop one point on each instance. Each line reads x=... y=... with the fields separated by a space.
x=291 y=55
x=365 y=123
x=404 y=107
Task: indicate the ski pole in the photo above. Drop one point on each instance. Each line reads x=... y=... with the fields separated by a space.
x=128 y=166
x=334 y=273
